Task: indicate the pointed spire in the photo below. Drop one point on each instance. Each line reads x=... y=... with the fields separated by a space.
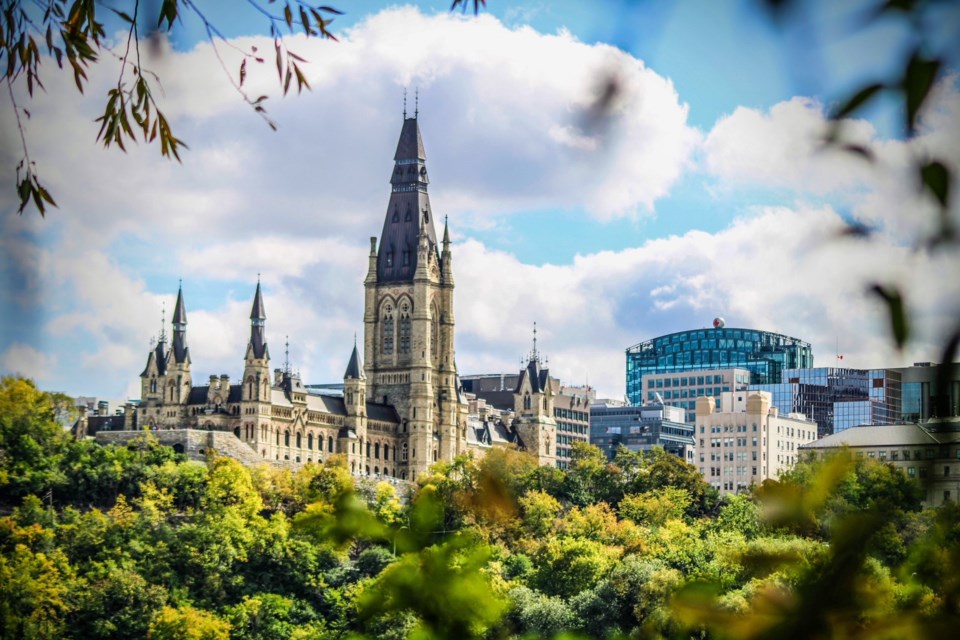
x=258 y=312
x=179 y=311
x=446 y=233
x=355 y=366
x=258 y=317
x=180 y=352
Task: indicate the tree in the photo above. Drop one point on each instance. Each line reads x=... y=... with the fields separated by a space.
x=187 y=623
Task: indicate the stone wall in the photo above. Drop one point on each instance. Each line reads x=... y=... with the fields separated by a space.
x=194 y=443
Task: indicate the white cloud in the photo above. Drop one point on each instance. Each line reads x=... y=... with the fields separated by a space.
x=25 y=360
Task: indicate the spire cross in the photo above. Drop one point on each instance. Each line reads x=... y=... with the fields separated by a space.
x=416 y=102
x=404 y=103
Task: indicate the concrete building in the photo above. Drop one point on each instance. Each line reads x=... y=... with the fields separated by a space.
x=642 y=428
x=765 y=354
x=929 y=452
x=746 y=441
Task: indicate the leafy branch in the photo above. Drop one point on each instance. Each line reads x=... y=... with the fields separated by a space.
x=70 y=29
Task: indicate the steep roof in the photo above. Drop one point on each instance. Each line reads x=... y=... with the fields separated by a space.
x=539 y=378
x=354 y=367
x=258 y=312
x=407 y=209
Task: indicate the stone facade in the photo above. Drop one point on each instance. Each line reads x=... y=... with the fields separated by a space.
x=397 y=415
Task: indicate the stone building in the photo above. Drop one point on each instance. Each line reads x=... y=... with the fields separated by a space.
x=402 y=406
x=929 y=453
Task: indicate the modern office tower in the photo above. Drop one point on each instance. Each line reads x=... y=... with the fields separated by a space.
x=683 y=389
x=641 y=428
x=746 y=441
x=921 y=398
x=764 y=354
x=836 y=398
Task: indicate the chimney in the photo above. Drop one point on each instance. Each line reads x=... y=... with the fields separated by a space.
x=103 y=408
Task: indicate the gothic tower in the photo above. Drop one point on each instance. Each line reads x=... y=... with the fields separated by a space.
x=533 y=404
x=355 y=403
x=255 y=391
x=408 y=316
x=178 y=358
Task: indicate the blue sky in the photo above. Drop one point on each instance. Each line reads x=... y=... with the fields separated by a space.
x=706 y=195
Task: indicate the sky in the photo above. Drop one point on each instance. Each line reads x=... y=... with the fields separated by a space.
x=704 y=192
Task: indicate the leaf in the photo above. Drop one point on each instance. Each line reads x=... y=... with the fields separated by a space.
x=897 y=311
x=243 y=71
x=917 y=82
x=936 y=178
x=857 y=100
x=288 y=16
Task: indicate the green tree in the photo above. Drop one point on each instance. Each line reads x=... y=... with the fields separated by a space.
x=187 y=623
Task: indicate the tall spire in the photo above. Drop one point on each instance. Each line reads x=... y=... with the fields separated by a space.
x=180 y=351
x=258 y=316
x=407 y=209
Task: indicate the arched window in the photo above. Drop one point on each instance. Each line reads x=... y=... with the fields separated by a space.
x=278 y=438
x=310 y=441
x=368 y=449
x=434 y=334
x=403 y=452
x=526 y=401
x=434 y=455
x=153 y=385
x=376 y=451
x=286 y=438
x=330 y=444
x=404 y=332
x=299 y=441
x=387 y=331
x=386 y=452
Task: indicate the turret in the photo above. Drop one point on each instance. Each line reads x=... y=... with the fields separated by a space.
x=256 y=365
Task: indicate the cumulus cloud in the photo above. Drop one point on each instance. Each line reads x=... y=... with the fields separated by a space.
x=781 y=269
x=23 y=359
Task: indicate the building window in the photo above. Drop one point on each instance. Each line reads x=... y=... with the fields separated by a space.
x=330 y=444
x=386 y=333
x=310 y=442
x=946 y=472
x=286 y=438
x=403 y=452
x=404 y=333
x=299 y=441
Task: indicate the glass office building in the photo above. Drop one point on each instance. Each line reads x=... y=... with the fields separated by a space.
x=764 y=354
x=921 y=398
x=836 y=398
x=641 y=428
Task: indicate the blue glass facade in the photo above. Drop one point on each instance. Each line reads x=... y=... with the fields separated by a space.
x=836 y=398
x=766 y=355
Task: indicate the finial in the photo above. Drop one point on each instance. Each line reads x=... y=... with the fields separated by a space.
x=533 y=356
x=153 y=341
x=180 y=283
x=258 y=277
x=286 y=356
x=163 y=321
x=416 y=103
x=354 y=338
x=404 y=103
